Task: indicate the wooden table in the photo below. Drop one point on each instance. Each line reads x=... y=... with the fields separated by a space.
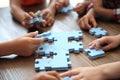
x=19 y=68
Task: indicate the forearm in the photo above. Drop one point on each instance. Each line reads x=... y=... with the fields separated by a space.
x=101 y=11
x=106 y=13
x=16 y=10
x=6 y=48
x=52 y=4
x=111 y=70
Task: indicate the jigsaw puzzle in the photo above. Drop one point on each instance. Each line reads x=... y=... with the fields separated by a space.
x=98 y=32
x=94 y=54
x=59 y=49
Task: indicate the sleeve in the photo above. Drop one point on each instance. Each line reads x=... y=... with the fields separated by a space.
x=116 y=13
x=89 y=6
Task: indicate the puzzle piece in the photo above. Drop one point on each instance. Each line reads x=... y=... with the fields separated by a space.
x=98 y=32
x=38 y=13
x=68 y=78
x=66 y=10
x=38 y=19
x=75 y=47
x=93 y=53
x=47 y=36
x=75 y=35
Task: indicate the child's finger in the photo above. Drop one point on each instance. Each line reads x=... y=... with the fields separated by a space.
x=77 y=77
x=27 y=16
x=43 y=22
x=93 y=45
x=93 y=21
x=107 y=47
x=32 y=14
x=54 y=73
x=32 y=34
x=44 y=13
x=50 y=21
x=86 y=24
x=81 y=24
x=38 y=40
x=97 y=46
x=70 y=73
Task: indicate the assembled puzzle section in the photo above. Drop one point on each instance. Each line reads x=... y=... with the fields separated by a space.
x=60 y=41
x=66 y=10
x=94 y=54
x=98 y=32
x=59 y=62
x=59 y=50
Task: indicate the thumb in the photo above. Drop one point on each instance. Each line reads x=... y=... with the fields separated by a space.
x=44 y=13
x=107 y=47
x=38 y=40
x=32 y=34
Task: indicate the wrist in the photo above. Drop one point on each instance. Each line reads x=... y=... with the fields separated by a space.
x=6 y=48
x=104 y=71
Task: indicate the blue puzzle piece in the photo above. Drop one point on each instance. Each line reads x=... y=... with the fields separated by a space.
x=66 y=10
x=35 y=20
x=93 y=53
x=75 y=35
x=38 y=13
x=75 y=47
x=98 y=32
x=47 y=36
x=39 y=17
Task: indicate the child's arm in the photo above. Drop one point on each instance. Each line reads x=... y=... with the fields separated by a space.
x=16 y=10
x=23 y=46
x=102 y=72
x=109 y=41
x=105 y=12
x=20 y=15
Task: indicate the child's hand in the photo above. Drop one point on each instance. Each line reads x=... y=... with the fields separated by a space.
x=27 y=44
x=110 y=41
x=50 y=75
x=27 y=17
x=48 y=15
x=80 y=8
x=85 y=73
x=87 y=21
x=61 y=3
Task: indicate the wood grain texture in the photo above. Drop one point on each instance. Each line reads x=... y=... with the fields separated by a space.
x=19 y=68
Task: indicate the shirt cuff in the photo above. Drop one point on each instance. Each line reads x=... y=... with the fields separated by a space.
x=89 y=6
x=116 y=13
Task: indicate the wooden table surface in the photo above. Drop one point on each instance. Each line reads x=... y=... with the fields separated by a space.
x=13 y=67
